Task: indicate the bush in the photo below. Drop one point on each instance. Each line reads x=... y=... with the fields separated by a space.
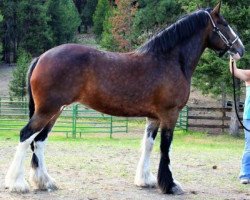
x=101 y=11
x=17 y=86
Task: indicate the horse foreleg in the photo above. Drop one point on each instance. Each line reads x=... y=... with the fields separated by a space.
x=165 y=179
x=14 y=179
x=39 y=176
x=144 y=177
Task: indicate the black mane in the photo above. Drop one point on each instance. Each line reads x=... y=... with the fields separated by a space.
x=184 y=28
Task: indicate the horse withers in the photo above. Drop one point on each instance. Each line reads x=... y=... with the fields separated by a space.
x=152 y=81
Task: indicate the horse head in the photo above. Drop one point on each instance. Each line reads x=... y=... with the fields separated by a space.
x=221 y=37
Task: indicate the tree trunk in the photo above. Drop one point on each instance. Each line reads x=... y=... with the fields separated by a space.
x=234 y=123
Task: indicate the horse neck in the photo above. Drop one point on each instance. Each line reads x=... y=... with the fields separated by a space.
x=190 y=51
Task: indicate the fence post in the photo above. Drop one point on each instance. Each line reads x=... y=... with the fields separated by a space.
x=0 y=105
x=223 y=117
x=180 y=116
x=111 y=126
x=25 y=106
x=74 y=116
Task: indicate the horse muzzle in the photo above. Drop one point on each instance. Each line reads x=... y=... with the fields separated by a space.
x=237 y=53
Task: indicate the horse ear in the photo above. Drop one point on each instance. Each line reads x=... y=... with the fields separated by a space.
x=216 y=9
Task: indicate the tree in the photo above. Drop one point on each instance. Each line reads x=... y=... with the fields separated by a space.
x=118 y=27
x=17 y=86
x=100 y=13
x=107 y=39
x=87 y=14
x=1 y=45
x=34 y=33
x=64 y=20
x=9 y=29
x=153 y=15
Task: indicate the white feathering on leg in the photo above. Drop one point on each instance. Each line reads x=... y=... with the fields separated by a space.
x=39 y=176
x=14 y=179
x=144 y=178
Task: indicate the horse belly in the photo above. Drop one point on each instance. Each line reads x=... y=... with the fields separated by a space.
x=117 y=106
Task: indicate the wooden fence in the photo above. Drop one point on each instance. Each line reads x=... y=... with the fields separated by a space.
x=209 y=119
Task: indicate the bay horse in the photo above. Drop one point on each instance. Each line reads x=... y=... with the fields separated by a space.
x=152 y=81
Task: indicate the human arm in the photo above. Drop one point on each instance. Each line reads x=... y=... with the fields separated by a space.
x=243 y=74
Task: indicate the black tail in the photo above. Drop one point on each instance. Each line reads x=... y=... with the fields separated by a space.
x=31 y=100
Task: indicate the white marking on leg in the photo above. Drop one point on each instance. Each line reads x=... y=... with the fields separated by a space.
x=39 y=176
x=14 y=179
x=144 y=177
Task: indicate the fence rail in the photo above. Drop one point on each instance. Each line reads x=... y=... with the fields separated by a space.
x=75 y=119
x=209 y=119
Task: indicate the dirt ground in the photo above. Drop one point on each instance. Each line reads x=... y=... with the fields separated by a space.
x=86 y=171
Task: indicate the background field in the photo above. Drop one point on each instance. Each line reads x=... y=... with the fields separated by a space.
x=97 y=167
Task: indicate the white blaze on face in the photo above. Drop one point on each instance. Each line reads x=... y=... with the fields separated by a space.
x=236 y=56
x=232 y=31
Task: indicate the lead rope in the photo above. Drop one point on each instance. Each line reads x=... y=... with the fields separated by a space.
x=234 y=93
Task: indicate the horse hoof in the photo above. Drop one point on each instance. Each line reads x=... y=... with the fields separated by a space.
x=20 y=186
x=47 y=185
x=51 y=186
x=176 y=189
x=42 y=182
x=147 y=180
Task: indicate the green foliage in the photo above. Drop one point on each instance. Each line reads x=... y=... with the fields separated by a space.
x=154 y=15
x=107 y=39
x=17 y=86
x=9 y=27
x=36 y=26
x=1 y=17
x=64 y=20
x=117 y=27
x=88 y=12
x=102 y=9
x=212 y=74
x=1 y=44
x=36 y=36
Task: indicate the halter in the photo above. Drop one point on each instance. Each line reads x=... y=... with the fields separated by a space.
x=222 y=36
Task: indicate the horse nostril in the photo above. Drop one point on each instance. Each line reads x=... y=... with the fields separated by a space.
x=241 y=52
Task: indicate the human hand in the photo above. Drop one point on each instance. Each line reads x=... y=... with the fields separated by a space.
x=232 y=63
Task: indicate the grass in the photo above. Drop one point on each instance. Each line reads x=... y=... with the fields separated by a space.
x=182 y=139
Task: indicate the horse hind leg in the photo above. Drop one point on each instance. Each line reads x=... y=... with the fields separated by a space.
x=144 y=177
x=39 y=176
x=14 y=179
